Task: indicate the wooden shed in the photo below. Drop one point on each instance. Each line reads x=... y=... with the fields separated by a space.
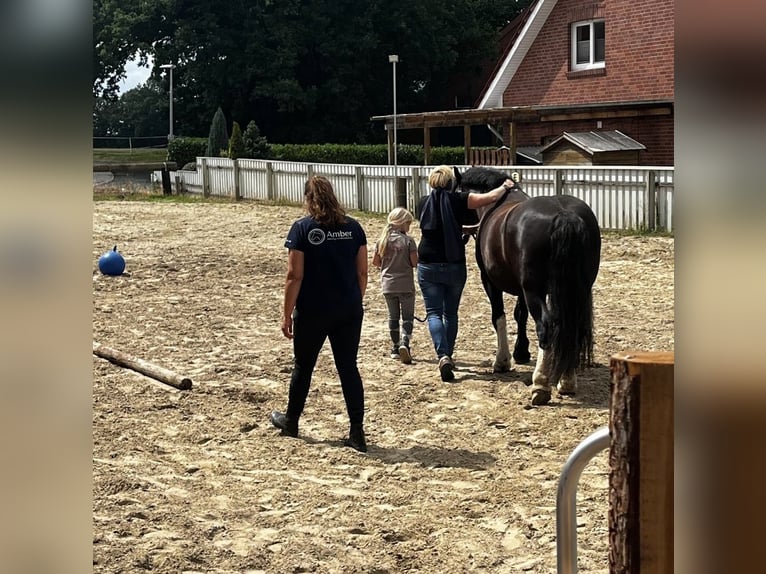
x=607 y=147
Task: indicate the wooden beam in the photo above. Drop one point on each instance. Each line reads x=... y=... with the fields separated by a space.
x=144 y=367
x=641 y=464
x=511 y=143
x=467 y=144
x=603 y=114
x=427 y=145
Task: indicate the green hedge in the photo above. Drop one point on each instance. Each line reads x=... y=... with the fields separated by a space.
x=363 y=154
x=185 y=150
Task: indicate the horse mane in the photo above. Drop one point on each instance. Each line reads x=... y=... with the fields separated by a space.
x=482 y=179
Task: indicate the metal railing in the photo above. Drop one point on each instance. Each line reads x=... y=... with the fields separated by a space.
x=566 y=499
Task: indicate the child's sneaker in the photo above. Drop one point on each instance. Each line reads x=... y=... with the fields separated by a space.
x=395 y=352
x=405 y=355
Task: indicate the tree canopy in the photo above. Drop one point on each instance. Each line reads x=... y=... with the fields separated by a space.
x=304 y=71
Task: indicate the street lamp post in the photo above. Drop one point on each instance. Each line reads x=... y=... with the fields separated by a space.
x=170 y=67
x=393 y=58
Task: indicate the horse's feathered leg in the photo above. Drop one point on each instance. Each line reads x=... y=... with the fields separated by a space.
x=503 y=355
x=521 y=348
x=568 y=383
x=541 y=385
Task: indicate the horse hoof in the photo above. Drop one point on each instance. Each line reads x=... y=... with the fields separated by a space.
x=566 y=392
x=540 y=397
x=522 y=359
x=501 y=368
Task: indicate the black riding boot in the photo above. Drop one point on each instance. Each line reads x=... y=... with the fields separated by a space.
x=286 y=424
x=356 y=438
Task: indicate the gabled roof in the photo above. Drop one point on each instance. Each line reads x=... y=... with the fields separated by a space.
x=493 y=93
x=597 y=142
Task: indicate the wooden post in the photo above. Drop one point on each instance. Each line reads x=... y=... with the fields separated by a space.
x=269 y=181
x=651 y=201
x=641 y=464
x=144 y=367
x=510 y=141
x=237 y=192
x=558 y=184
x=467 y=144
x=359 y=178
x=415 y=190
x=426 y=145
x=205 y=178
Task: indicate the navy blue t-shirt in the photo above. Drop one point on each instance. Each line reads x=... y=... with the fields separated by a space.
x=330 y=281
x=431 y=248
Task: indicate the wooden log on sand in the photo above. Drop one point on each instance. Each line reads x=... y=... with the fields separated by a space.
x=641 y=464
x=144 y=367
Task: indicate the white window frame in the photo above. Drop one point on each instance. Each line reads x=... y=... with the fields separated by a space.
x=591 y=64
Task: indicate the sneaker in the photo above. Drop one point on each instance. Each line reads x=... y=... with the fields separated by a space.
x=445 y=369
x=405 y=355
x=287 y=426
x=395 y=355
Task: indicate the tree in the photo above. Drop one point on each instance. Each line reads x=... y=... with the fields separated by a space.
x=236 y=143
x=255 y=144
x=264 y=60
x=218 y=139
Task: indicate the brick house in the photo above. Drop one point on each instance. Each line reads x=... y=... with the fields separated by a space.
x=577 y=66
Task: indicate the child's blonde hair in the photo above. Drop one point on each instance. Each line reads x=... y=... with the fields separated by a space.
x=399 y=218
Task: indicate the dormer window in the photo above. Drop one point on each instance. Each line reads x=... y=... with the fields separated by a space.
x=588 y=45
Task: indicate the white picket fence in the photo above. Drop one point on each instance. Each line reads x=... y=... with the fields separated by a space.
x=622 y=197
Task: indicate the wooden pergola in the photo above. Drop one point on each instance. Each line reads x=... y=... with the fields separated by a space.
x=510 y=117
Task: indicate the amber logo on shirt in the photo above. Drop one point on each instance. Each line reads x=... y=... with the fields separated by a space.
x=316 y=236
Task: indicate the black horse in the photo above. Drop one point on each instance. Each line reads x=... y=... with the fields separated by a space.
x=546 y=251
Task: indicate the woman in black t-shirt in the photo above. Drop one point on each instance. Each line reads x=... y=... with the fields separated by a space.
x=441 y=258
x=325 y=285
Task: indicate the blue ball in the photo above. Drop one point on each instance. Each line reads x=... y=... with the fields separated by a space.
x=111 y=263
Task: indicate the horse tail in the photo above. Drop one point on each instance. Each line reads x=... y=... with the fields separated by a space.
x=570 y=301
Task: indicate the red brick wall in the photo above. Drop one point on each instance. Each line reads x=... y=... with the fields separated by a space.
x=639 y=56
x=656 y=133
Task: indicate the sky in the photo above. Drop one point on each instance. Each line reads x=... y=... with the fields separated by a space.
x=135 y=75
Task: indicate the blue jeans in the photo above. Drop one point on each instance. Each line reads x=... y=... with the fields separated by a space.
x=442 y=286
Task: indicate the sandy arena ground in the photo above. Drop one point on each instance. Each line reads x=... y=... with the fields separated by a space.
x=458 y=478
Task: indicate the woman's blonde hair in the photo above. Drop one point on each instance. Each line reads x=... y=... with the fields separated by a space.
x=399 y=218
x=441 y=177
x=321 y=202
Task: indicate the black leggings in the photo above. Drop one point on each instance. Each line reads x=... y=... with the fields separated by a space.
x=344 y=329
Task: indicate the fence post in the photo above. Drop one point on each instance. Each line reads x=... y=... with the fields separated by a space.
x=641 y=463
x=269 y=181
x=401 y=192
x=359 y=178
x=558 y=181
x=237 y=194
x=651 y=196
x=416 y=187
x=309 y=171
x=205 y=178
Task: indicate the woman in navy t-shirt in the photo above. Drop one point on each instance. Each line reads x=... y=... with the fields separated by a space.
x=441 y=257
x=326 y=282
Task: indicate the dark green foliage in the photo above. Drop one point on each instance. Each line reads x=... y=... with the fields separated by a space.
x=256 y=146
x=311 y=72
x=236 y=143
x=185 y=150
x=218 y=138
x=376 y=154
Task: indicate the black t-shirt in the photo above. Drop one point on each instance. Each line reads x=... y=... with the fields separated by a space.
x=431 y=247
x=330 y=280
